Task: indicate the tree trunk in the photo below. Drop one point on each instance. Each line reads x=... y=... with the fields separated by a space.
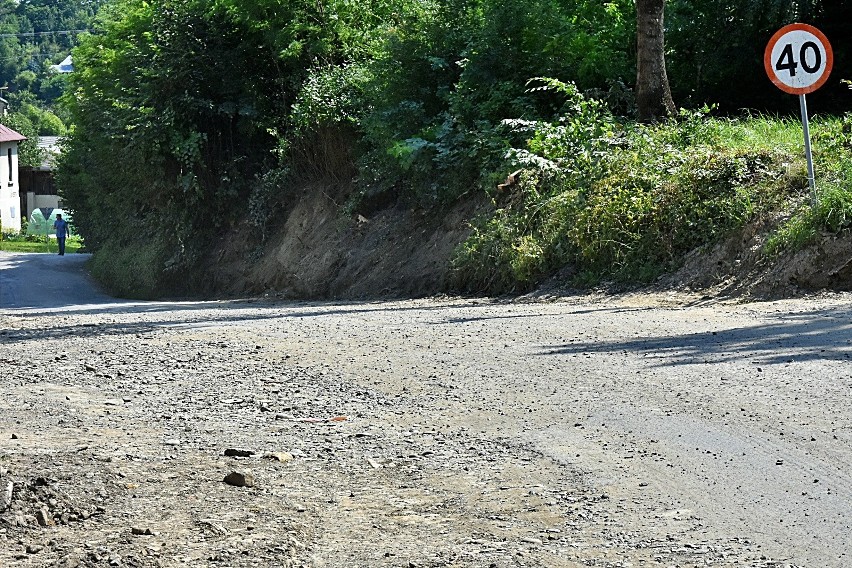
x=653 y=96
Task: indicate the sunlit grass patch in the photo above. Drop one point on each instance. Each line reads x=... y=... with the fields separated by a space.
x=38 y=244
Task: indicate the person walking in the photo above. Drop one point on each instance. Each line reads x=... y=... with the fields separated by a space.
x=62 y=231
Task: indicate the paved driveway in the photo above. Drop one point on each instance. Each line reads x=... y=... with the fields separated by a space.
x=34 y=281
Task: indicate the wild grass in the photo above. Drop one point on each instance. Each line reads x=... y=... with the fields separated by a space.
x=828 y=210
x=38 y=244
x=783 y=134
x=651 y=194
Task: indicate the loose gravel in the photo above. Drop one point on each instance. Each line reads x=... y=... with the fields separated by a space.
x=559 y=432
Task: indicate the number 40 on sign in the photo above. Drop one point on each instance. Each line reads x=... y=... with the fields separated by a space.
x=798 y=60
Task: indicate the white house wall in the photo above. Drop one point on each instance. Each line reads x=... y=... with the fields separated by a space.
x=10 y=200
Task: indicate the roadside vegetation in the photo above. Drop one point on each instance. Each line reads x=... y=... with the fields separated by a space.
x=15 y=242
x=629 y=205
x=191 y=117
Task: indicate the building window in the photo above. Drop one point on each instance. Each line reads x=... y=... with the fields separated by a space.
x=10 y=165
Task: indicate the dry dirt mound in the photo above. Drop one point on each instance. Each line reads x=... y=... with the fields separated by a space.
x=738 y=267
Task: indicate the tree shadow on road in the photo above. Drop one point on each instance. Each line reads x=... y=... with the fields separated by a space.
x=186 y=314
x=824 y=334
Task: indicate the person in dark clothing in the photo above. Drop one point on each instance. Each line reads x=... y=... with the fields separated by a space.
x=62 y=231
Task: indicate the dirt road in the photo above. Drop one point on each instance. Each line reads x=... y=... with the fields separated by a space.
x=630 y=431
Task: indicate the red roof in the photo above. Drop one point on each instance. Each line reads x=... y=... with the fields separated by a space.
x=9 y=135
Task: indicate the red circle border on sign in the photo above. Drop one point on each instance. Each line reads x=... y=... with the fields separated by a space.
x=770 y=72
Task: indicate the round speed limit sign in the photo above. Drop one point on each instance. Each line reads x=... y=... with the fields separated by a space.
x=798 y=59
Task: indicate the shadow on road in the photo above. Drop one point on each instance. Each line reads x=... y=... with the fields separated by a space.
x=815 y=335
x=39 y=284
x=195 y=315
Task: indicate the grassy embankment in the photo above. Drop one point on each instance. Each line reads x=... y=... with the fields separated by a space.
x=624 y=202
x=628 y=206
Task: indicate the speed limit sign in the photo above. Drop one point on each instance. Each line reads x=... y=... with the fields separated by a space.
x=798 y=59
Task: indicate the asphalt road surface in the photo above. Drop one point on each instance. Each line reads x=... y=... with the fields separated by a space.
x=722 y=430
x=35 y=281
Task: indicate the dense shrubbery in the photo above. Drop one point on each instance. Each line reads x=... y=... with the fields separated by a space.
x=626 y=201
x=654 y=194
x=192 y=115
x=180 y=105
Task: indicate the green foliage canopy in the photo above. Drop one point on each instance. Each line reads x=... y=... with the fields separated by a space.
x=177 y=105
x=187 y=113
x=29 y=154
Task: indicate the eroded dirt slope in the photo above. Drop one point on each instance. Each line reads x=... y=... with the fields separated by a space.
x=316 y=248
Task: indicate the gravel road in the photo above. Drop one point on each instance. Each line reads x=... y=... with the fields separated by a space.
x=641 y=430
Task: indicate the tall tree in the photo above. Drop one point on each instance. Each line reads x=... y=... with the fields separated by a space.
x=653 y=95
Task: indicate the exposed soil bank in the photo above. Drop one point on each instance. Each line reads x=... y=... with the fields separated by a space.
x=314 y=250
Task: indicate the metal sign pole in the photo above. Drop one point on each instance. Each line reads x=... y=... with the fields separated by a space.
x=798 y=60
x=804 y=106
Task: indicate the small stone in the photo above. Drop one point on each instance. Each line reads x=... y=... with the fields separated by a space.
x=14 y=436
x=236 y=453
x=69 y=562
x=240 y=479
x=282 y=457
x=34 y=548
x=139 y=531
x=44 y=517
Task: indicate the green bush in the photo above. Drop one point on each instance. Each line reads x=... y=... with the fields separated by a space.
x=831 y=214
x=447 y=80
x=134 y=270
x=622 y=202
